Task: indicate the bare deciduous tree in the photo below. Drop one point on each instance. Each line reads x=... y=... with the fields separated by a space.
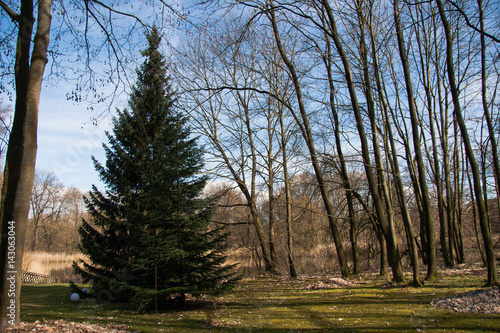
x=426 y=218
x=478 y=191
x=5 y=123
x=46 y=205
x=227 y=122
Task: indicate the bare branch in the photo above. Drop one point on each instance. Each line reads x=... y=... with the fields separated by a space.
x=232 y=206
x=119 y=12
x=470 y=25
x=229 y=223
x=9 y=11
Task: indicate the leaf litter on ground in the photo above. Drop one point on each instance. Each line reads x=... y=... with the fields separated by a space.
x=484 y=301
x=64 y=326
x=476 y=301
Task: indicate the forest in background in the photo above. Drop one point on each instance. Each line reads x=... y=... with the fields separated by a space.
x=388 y=110
x=57 y=211
x=368 y=129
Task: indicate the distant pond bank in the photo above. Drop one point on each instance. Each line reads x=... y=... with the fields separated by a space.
x=56 y=265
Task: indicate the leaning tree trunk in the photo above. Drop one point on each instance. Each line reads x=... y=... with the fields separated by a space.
x=346 y=184
x=392 y=250
x=21 y=155
x=426 y=217
x=459 y=165
x=307 y=134
x=443 y=130
x=383 y=269
x=487 y=116
x=424 y=48
x=270 y=265
x=469 y=152
x=368 y=91
x=392 y=152
x=250 y=198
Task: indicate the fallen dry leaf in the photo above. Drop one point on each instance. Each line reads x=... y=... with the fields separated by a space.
x=66 y=326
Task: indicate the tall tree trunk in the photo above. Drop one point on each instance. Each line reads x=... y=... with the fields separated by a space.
x=469 y=152
x=266 y=254
x=424 y=48
x=346 y=184
x=474 y=218
x=270 y=187
x=458 y=192
x=368 y=91
x=288 y=196
x=384 y=267
x=404 y=135
x=249 y=197
x=269 y=263
x=443 y=130
x=307 y=134
x=426 y=217
x=20 y=162
x=405 y=213
x=487 y=116
x=392 y=249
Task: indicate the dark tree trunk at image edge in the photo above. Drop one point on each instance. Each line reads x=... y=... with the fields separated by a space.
x=21 y=154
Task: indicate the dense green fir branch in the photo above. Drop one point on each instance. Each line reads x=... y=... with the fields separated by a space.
x=151 y=224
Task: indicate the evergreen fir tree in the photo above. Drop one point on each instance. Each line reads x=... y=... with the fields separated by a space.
x=149 y=238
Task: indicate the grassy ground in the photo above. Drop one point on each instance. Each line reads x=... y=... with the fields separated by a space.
x=269 y=305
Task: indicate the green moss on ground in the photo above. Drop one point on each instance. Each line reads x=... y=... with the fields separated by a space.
x=267 y=305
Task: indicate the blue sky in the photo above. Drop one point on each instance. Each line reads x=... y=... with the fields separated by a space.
x=67 y=139
x=67 y=136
